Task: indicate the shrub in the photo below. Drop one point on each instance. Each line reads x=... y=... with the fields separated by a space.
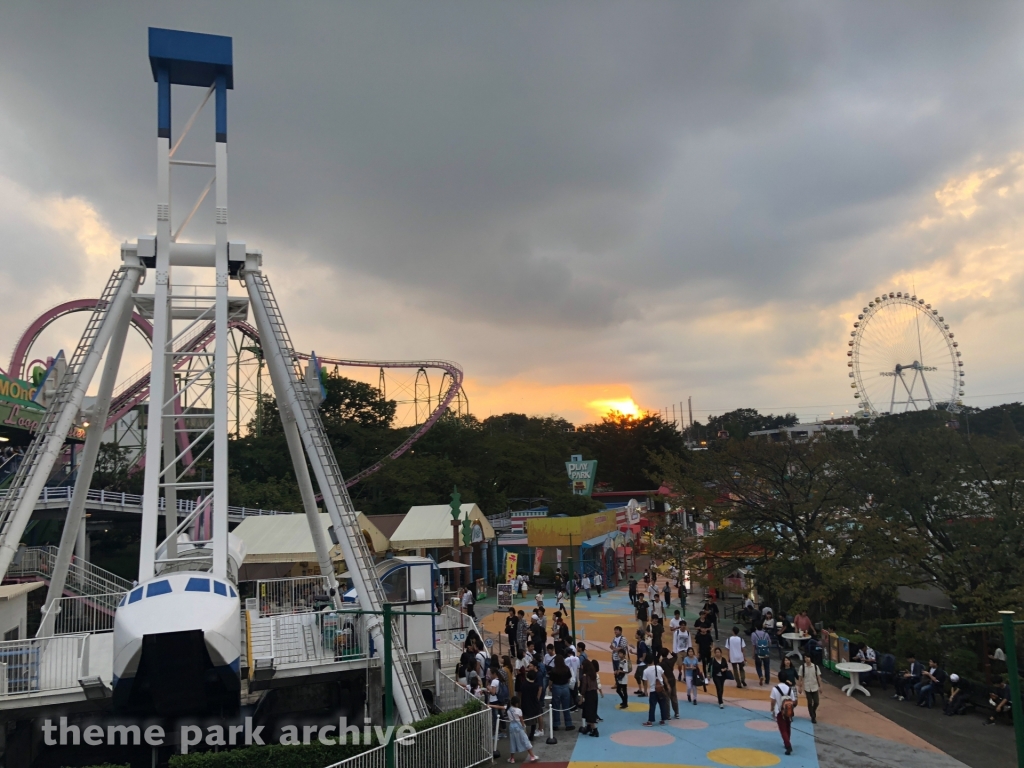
x=313 y=755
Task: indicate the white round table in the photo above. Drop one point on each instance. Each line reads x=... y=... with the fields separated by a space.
x=855 y=670
x=795 y=638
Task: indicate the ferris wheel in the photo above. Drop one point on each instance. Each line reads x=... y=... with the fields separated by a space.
x=903 y=357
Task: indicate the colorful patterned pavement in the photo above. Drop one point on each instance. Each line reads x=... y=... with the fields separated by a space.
x=742 y=734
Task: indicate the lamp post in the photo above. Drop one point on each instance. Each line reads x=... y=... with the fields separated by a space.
x=1010 y=640
x=456 y=512
x=572 y=594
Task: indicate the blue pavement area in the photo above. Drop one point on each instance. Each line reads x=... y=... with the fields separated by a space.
x=741 y=734
x=704 y=736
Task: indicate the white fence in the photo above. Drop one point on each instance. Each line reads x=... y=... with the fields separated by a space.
x=40 y=664
x=85 y=613
x=131 y=500
x=298 y=595
x=309 y=638
x=451 y=628
x=449 y=694
x=460 y=743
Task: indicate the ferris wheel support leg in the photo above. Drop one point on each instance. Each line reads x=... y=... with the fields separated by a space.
x=74 y=524
x=927 y=391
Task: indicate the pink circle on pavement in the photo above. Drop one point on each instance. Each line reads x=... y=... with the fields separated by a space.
x=761 y=725
x=688 y=725
x=649 y=737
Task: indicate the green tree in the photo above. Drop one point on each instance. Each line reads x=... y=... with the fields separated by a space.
x=952 y=507
x=789 y=510
x=624 y=447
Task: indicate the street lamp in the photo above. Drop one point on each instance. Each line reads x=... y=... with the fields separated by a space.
x=456 y=512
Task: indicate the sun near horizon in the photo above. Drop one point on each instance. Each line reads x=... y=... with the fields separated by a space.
x=624 y=406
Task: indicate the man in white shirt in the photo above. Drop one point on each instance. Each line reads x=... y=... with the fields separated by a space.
x=681 y=642
x=467 y=604
x=653 y=676
x=657 y=607
x=673 y=625
x=652 y=590
x=618 y=643
x=572 y=661
x=585 y=583
x=780 y=693
x=809 y=679
x=598 y=582
x=735 y=645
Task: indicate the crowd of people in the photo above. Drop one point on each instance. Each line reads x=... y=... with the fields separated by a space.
x=665 y=657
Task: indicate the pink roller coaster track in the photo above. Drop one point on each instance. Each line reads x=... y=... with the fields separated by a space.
x=136 y=389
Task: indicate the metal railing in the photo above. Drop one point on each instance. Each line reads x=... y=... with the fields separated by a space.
x=84 y=613
x=83 y=577
x=40 y=664
x=449 y=694
x=451 y=628
x=457 y=744
x=309 y=638
x=131 y=500
x=294 y=595
x=460 y=743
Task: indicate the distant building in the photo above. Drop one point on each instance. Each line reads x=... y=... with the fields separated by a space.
x=804 y=432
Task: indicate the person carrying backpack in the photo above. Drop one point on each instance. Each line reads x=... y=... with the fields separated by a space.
x=783 y=709
x=762 y=655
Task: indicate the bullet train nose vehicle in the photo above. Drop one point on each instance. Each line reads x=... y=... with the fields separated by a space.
x=177 y=639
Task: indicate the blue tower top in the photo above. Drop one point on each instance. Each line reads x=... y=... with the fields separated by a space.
x=190 y=58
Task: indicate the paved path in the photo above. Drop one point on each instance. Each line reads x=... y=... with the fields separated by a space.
x=849 y=734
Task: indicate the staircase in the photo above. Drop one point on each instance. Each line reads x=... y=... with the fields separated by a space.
x=332 y=486
x=17 y=505
x=84 y=578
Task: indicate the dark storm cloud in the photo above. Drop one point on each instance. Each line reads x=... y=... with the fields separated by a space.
x=540 y=163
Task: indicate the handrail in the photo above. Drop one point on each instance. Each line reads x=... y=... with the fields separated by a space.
x=120 y=498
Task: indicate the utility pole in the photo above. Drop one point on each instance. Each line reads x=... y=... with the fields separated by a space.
x=572 y=594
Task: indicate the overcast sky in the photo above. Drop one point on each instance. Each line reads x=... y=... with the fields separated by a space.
x=575 y=201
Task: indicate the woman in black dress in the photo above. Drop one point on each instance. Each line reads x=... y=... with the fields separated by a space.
x=530 y=694
x=718 y=668
x=588 y=688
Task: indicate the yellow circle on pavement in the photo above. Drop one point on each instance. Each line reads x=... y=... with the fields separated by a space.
x=743 y=758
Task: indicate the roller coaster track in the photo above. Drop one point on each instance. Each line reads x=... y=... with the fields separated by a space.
x=135 y=390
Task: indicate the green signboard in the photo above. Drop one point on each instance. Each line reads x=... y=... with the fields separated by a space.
x=581 y=474
x=17 y=392
x=17 y=411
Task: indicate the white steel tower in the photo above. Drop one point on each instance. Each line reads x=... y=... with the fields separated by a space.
x=176 y=641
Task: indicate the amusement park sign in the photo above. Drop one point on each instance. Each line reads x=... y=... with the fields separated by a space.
x=581 y=474
x=17 y=411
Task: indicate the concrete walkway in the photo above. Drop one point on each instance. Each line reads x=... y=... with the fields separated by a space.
x=849 y=734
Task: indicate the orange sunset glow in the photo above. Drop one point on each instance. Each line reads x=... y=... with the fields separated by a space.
x=625 y=406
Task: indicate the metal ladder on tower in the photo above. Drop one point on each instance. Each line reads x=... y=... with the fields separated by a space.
x=41 y=454
x=325 y=465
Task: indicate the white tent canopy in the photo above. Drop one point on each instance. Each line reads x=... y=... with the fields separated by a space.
x=286 y=538
x=430 y=527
